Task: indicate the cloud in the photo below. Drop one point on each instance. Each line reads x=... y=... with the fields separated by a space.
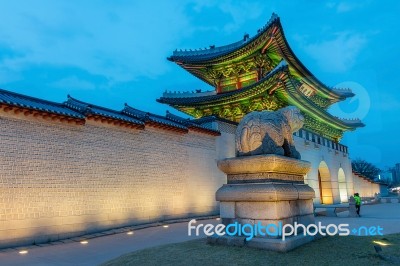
x=238 y=12
x=343 y=7
x=73 y=82
x=337 y=54
x=388 y=102
x=120 y=40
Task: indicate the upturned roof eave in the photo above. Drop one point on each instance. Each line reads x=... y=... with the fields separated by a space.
x=222 y=96
x=311 y=108
x=191 y=59
x=294 y=97
x=296 y=63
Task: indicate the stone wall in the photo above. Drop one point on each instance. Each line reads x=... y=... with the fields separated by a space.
x=365 y=188
x=328 y=162
x=59 y=180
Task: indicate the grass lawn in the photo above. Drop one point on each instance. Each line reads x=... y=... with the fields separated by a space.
x=349 y=250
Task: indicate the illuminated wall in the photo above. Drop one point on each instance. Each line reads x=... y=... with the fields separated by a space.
x=365 y=188
x=59 y=180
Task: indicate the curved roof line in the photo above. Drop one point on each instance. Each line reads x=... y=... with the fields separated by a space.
x=24 y=101
x=226 y=95
x=309 y=105
x=206 y=56
x=212 y=52
x=91 y=109
x=293 y=96
x=329 y=91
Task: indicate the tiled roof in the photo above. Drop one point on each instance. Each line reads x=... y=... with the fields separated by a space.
x=90 y=109
x=271 y=35
x=213 y=52
x=199 y=100
x=194 y=124
x=81 y=110
x=149 y=117
x=23 y=101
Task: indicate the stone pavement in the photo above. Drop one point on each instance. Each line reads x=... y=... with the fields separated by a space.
x=102 y=249
x=385 y=215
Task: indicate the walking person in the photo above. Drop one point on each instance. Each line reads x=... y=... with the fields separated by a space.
x=357 y=199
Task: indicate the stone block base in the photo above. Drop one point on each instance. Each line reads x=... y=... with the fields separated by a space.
x=265 y=191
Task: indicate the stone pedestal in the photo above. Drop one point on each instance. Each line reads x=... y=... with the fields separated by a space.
x=267 y=189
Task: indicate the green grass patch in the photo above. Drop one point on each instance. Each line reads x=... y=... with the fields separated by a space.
x=350 y=250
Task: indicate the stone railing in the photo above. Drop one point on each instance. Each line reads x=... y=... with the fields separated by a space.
x=184 y=94
x=317 y=140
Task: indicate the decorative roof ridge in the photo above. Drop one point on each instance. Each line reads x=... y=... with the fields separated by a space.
x=88 y=108
x=90 y=105
x=345 y=92
x=352 y=121
x=129 y=110
x=197 y=93
x=226 y=48
x=150 y=117
x=77 y=105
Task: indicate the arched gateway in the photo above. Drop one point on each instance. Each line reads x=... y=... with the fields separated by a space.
x=325 y=184
x=261 y=72
x=342 y=186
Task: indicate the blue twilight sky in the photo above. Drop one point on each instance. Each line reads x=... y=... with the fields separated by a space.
x=112 y=52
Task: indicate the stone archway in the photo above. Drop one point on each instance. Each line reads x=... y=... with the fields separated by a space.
x=325 y=185
x=342 y=186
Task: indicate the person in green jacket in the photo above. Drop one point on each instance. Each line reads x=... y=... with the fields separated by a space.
x=358 y=203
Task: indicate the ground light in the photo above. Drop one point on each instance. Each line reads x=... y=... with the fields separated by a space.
x=165 y=226
x=84 y=242
x=23 y=252
x=381 y=243
x=130 y=233
x=218 y=219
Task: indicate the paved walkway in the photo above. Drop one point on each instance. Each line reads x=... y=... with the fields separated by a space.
x=386 y=215
x=102 y=249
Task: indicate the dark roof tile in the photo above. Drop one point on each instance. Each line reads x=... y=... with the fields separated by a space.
x=149 y=117
x=79 y=109
x=23 y=101
x=90 y=109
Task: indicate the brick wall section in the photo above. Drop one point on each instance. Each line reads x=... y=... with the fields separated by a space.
x=365 y=188
x=59 y=180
